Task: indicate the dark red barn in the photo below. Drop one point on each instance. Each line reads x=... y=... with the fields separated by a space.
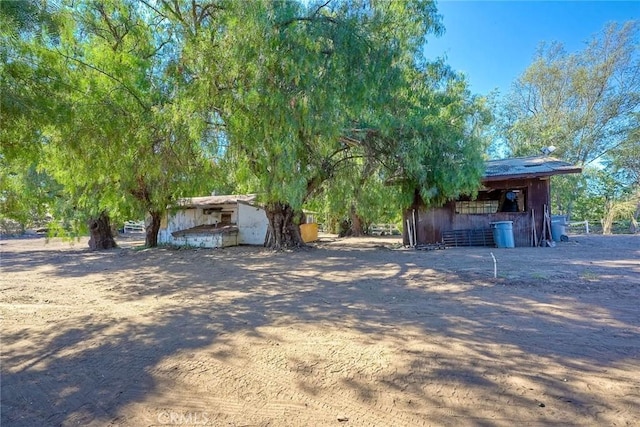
x=516 y=190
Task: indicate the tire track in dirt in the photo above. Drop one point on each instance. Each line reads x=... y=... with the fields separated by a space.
x=456 y=367
x=318 y=392
x=261 y=392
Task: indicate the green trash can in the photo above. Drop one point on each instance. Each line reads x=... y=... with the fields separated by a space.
x=503 y=234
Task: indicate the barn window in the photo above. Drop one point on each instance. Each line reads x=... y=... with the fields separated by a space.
x=493 y=201
x=477 y=206
x=512 y=200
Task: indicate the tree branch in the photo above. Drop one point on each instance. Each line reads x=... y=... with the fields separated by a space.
x=320 y=7
x=306 y=19
x=120 y=82
x=146 y=3
x=350 y=141
x=163 y=44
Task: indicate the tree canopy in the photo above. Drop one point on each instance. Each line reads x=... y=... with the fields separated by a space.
x=585 y=104
x=342 y=86
x=122 y=135
x=142 y=102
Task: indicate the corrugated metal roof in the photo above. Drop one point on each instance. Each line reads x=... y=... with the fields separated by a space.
x=527 y=167
x=210 y=201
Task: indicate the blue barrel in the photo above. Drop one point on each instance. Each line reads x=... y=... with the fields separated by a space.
x=503 y=234
x=558 y=224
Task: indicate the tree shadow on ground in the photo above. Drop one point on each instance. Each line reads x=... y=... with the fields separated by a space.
x=86 y=369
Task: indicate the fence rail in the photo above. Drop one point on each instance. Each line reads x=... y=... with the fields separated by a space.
x=595 y=227
x=575 y=224
x=383 y=230
x=132 y=226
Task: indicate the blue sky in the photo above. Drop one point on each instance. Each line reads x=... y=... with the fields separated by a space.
x=493 y=42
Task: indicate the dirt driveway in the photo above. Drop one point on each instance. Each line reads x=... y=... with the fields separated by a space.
x=349 y=333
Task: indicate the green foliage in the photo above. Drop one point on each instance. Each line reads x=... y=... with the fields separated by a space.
x=290 y=105
x=580 y=196
x=440 y=151
x=27 y=194
x=127 y=105
x=116 y=124
x=586 y=105
x=357 y=189
x=18 y=99
x=596 y=196
x=323 y=92
x=625 y=158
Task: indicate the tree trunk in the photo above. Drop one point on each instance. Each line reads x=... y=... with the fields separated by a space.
x=344 y=228
x=633 y=228
x=609 y=216
x=356 y=223
x=101 y=236
x=283 y=232
x=151 y=230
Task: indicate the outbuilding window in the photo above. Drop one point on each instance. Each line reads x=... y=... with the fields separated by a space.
x=477 y=207
x=493 y=201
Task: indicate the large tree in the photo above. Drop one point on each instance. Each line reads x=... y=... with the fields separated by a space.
x=312 y=89
x=125 y=137
x=309 y=72
x=584 y=103
x=625 y=158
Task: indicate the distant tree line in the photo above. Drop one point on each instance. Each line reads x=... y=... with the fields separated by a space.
x=587 y=105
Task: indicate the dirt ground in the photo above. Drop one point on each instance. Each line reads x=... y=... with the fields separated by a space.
x=353 y=332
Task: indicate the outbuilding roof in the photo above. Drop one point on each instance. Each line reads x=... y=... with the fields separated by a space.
x=212 y=201
x=527 y=167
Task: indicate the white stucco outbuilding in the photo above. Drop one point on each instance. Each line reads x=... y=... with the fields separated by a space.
x=214 y=222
